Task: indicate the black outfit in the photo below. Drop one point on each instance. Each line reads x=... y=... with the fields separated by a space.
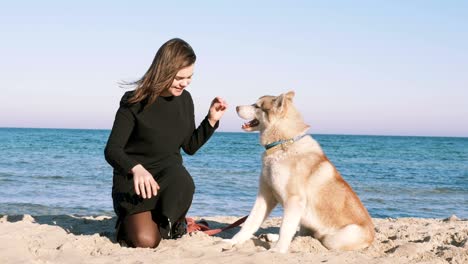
x=152 y=136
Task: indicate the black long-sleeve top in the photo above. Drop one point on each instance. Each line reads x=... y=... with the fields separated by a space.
x=153 y=136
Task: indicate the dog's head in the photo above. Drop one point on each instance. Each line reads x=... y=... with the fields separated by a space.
x=268 y=110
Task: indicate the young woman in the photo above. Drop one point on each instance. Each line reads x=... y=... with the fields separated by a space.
x=152 y=191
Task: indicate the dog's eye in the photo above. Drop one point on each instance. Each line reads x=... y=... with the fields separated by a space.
x=256 y=106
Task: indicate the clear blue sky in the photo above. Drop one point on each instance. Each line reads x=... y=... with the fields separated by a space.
x=357 y=67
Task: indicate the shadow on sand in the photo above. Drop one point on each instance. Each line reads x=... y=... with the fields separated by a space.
x=104 y=225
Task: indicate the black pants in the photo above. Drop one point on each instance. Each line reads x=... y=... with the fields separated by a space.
x=169 y=206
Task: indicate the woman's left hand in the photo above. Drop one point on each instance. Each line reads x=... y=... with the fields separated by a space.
x=217 y=109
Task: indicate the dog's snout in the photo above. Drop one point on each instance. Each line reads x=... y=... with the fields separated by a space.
x=237 y=108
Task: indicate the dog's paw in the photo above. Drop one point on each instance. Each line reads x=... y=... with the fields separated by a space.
x=227 y=244
x=277 y=249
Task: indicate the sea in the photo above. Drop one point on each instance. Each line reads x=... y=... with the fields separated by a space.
x=63 y=171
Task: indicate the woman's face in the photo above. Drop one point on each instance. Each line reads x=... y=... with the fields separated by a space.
x=182 y=80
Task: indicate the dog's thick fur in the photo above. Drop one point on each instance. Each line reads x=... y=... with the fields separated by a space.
x=302 y=179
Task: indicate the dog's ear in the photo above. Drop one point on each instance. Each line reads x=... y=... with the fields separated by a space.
x=280 y=101
x=290 y=95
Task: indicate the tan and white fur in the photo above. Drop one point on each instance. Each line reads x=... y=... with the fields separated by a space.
x=300 y=177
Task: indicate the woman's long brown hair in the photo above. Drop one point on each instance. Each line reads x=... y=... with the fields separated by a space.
x=171 y=57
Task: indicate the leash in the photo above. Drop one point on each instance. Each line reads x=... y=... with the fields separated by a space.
x=202 y=225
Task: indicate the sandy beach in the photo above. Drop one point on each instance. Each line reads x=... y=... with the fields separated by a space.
x=73 y=239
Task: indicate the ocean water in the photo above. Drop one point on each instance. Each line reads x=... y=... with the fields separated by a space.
x=63 y=171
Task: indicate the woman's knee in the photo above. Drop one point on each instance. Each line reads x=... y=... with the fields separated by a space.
x=145 y=240
x=180 y=179
x=141 y=231
x=189 y=184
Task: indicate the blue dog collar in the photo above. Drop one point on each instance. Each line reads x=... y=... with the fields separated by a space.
x=276 y=143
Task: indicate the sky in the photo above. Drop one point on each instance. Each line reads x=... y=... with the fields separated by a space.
x=357 y=67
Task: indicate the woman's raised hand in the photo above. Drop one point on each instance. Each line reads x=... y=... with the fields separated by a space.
x=217 y=108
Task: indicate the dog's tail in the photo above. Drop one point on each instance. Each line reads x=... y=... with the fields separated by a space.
x=350 y=237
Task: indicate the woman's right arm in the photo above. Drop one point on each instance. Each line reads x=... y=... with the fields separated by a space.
x=121 y=130
x=144 y=183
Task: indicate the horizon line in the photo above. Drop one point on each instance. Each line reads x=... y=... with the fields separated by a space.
x=328 y=134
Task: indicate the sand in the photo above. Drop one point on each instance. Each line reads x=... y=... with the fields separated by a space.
x=73 y=239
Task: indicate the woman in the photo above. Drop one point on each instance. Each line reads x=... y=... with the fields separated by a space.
x=152 y=191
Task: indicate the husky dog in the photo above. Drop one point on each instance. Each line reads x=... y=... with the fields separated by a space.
x=297 y=174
